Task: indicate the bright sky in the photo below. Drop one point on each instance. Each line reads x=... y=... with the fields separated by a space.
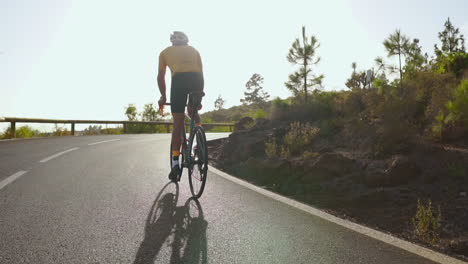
x=88 y=59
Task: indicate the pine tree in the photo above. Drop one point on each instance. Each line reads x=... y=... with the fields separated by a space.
x=397 y=44
x=381 y=66
x=303 y=53
x=219 y=103
x=452 y=40
x=255 y=93
x=414 y=59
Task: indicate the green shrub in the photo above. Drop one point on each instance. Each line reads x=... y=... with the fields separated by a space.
x=112 y=131
x=218 y=129
x=329 y=127
x=60 y=131
x=321 y=105
x=454 y=63
x=271 y=148
x=353 y=103
x=438 y=125
x=236 y=113
x=6 y=134
x=458 y=107
x=393 y=137
x=92 y=130
x=455 y=112
x=426 y=223
x=381 y=85
x=145 y=128
x=293 y=142
x=285 y=152
x=21 y=132
x=208 y=120
x=298 y=136
x=27 y=132
x=279 y=108
x=434 y=90
x=259 y=114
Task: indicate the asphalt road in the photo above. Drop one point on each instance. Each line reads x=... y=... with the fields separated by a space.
x=111 y=203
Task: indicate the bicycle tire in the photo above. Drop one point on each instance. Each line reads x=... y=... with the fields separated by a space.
x=198 y=167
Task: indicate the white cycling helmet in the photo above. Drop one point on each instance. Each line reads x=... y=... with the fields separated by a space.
x=179 y=38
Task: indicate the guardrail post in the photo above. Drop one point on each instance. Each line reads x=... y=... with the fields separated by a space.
x=13 y=129
x=167 y=128
x=72 y=129
x=230 y=128
x=124 y=128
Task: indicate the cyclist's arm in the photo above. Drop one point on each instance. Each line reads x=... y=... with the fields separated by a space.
x=161 y=75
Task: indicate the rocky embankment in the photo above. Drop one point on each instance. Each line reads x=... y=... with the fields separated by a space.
x=342 y=175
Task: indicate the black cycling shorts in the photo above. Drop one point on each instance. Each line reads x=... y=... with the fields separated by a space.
x=182 y=85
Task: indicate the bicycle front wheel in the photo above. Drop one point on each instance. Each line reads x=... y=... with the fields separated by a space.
x=198 y=165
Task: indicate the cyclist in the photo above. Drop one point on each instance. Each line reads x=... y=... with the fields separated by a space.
x=185 y=64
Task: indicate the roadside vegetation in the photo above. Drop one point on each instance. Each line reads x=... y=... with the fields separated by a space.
x=21 y=132
x=149 y=113
x=426 y=222
x=255 y=104
x=429 y=96
x=29 y=132
x=93 y=130
x=396 y=136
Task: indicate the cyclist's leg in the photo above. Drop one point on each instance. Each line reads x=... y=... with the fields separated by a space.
x=178 y=101
x=196 y=89
x=178 y=122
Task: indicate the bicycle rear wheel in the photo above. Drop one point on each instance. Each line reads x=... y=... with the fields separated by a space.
x=198 y=164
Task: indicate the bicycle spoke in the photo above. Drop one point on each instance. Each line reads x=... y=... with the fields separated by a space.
x=199 y=163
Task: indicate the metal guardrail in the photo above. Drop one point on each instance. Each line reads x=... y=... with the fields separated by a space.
x=167 y=124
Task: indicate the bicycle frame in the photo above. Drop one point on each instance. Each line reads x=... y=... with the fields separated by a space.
x=185 y=147
x=189 y=160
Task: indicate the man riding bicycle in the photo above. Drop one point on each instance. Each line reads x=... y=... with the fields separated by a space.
x=187 y=81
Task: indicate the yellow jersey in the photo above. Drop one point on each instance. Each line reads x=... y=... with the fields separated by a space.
x=183 y=58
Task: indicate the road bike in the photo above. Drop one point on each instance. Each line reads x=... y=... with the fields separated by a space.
x=194 y=154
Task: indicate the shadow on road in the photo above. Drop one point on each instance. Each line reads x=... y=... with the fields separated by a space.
x=181 y=228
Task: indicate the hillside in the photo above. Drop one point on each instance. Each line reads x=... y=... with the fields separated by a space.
x=235 y=113
x=391 y=154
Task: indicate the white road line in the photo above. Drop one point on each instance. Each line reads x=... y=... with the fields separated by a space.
x=10 y=179
x=405 y=245
x=58 y=154
x=95 y=143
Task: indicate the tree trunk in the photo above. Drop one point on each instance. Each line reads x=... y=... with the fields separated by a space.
x=305 y=80
x=401 y=73
x=305 y=63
